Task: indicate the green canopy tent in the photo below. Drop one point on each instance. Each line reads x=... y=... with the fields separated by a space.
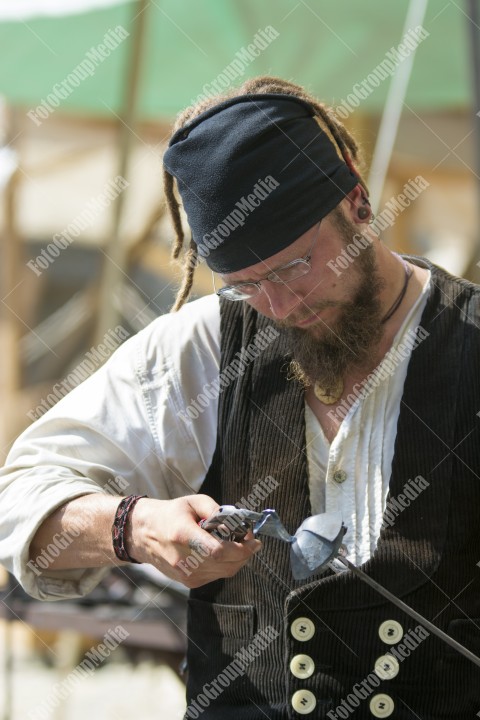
x=328 y=47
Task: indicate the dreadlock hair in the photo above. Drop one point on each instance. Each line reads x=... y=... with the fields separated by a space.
x=346 y=147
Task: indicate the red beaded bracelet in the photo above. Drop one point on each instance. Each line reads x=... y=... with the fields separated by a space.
x=119 y=525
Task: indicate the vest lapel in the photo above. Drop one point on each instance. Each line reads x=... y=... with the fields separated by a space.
x=277 y=448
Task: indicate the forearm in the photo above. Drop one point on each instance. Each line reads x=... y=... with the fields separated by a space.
x=82 y=532
x=163 y=533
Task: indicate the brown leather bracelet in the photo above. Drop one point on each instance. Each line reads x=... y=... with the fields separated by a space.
x=119 y=525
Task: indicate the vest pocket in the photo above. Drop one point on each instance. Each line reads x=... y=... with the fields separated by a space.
x=229 y=621
x=216 y=634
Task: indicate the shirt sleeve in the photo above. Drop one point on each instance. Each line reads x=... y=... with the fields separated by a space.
x=128 y=428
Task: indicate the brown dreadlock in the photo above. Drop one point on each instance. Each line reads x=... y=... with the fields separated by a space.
x=346 y=148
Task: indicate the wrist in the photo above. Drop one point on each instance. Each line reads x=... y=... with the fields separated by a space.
x=122 y=536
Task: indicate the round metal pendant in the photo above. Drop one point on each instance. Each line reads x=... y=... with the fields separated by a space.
x=330 y=396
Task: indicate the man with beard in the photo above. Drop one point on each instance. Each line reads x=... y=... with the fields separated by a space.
x=247 y=384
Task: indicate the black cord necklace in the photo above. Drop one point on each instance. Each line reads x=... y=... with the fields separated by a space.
x=396 y=304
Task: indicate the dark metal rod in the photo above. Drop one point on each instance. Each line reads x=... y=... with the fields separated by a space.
x=407 y=609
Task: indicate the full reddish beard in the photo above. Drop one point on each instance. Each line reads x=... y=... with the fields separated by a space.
x=325 y=353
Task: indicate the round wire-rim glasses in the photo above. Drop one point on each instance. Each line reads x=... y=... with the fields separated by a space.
x=285 y=274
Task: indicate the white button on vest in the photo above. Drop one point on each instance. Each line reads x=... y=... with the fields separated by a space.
x=386 y=667
x=302 y=629
x=390 y=632
x=303 y=702
x=339 y=476
x=381 y=706
x=302 y=666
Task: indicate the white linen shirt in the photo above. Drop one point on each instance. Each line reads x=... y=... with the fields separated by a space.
x=126 y=421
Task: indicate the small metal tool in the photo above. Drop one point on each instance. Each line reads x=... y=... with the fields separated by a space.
x=315 y=543
x=234 y=523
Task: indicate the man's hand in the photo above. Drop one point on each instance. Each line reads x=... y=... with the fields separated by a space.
x=165 y=533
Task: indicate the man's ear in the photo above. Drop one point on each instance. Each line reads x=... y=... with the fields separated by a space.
x=357 y=206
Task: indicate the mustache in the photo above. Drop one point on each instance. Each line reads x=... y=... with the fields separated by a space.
x=292 y=320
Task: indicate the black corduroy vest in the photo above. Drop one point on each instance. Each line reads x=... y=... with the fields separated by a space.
x=428 y=556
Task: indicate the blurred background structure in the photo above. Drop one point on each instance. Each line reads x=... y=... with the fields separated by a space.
x=88 y=93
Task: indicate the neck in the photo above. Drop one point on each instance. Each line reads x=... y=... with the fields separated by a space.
x=392 y=270
x=407 y=273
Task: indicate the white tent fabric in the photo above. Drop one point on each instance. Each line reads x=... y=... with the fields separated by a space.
x=28 y=9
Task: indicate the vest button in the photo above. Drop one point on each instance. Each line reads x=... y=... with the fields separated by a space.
x=302 y=666
x=302 y=629
x=339 y=476
x=386 y=667
x=390 y=632
x=303 y=702
x=381 y=706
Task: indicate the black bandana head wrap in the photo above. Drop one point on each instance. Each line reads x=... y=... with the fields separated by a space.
x=255 y=172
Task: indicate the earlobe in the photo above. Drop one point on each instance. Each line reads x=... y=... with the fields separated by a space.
x=359 y=204
x=364 y=211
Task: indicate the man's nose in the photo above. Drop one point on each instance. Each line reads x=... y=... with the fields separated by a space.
x=281 y=298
